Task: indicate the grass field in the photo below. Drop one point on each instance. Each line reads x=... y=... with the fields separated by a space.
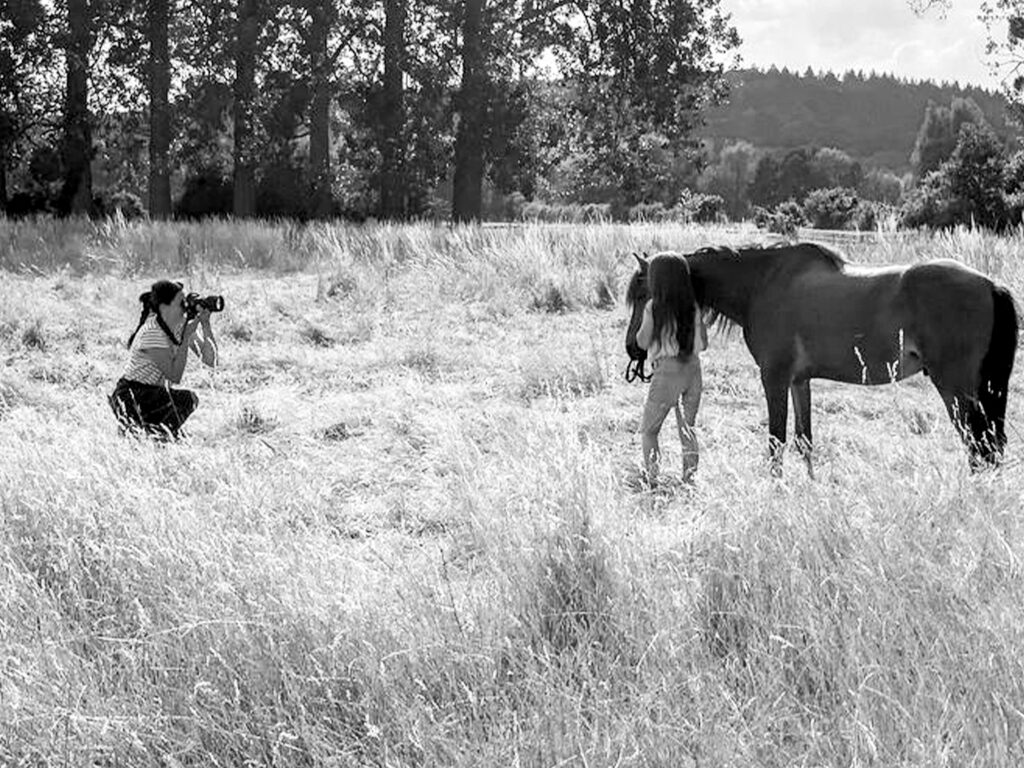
x=406 y=528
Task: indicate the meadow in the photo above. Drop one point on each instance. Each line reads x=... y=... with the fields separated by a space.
x=406 y=528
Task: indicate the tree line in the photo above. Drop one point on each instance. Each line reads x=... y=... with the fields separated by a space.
x=320 y=108
x=961 y=172
x=874 y=117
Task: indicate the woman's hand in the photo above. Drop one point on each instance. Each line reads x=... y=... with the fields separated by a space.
x=207 y=347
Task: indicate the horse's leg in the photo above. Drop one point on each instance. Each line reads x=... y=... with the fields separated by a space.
x=962 y=413
x=775 y=385
x=965 y=411
x=800 y=391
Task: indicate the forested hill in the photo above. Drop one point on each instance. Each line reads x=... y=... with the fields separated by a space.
x=874 y=118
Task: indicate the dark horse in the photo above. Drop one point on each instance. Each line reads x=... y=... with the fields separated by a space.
x=806 y=313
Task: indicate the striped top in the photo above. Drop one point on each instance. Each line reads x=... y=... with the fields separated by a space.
x=140 y=367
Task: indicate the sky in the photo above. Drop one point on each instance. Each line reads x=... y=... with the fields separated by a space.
x=880 y=35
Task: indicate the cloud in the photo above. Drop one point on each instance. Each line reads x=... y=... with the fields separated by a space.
x=879 y=35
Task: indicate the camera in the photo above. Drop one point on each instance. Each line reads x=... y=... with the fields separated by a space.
x=194 y=302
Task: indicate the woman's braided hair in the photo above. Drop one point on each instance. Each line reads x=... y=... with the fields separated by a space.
x=161 y=292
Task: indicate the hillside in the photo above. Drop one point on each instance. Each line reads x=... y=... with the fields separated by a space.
x=874 y=118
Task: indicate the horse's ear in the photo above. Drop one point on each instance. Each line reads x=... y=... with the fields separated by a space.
x=641 y=260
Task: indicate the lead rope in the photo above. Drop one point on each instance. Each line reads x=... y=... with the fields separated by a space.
x=635 y=370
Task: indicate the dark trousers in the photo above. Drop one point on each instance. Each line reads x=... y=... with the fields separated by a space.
x=151 y=407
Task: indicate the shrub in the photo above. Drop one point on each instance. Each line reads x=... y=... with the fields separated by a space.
x=866 y=217
x=251 y=420
x=700 y=207
x=316 y=335
x=783 y=220
x=930 y=204
x=207 y=193
x=551 y=297
x=574 y=213
x=833 y=208
x=126 y=204
x=647 y=212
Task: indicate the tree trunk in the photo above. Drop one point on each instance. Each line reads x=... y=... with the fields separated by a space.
x=246 y=36
x=3 y=185
x=157 y=21
x=472 y=107
x=323 y=14
x=76 y=192
x=392 y=185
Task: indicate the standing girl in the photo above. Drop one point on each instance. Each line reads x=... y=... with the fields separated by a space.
x=157 y=354
x=673 y=333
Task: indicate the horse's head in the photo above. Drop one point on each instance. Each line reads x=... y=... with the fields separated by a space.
x=637 y=295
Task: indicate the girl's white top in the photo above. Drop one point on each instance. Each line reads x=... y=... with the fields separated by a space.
x=667 y=346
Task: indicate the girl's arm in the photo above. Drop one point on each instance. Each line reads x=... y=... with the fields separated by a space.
x=702 y=335
x=646 y=330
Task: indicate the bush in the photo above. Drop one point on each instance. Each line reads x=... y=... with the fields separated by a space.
x=1015 y=209
x=208 y=193
x=283 y=191
x=701 y=207
x=929 y=204
x=866 y=217
x=647 y=212
x=833 y=208
x=784 y=220
x=571 y=213
x=24 y=204
x=127 y=204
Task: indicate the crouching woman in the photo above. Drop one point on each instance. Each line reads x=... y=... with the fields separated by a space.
x=158 y=352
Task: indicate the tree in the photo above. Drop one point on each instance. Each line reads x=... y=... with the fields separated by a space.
x=25 y=53
x=392 y=186
x=76 y=148
x=937 y=136
x=247 y=31
x=1008 y=52
x=501 y=46
x=471 y=104
x=881 y=186
x=323 y=15
x=764 y=188
x=645 y=72
x=969 y=188
x=799 y=175
x=731 y=177
x=158 y=15
x=976 y=174
x=837 y=168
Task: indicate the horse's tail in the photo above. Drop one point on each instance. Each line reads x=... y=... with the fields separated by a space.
x=997 y=365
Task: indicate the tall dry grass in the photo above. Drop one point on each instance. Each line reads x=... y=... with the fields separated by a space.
x=405 y=529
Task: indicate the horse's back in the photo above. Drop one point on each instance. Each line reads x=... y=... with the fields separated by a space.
x=948 y=289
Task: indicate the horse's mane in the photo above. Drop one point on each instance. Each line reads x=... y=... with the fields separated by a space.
x=803 y=249
x=714 y=319
x=633 y=289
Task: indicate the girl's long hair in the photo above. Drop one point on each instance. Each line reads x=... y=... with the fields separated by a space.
x=161 y=292
x=672 y=298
